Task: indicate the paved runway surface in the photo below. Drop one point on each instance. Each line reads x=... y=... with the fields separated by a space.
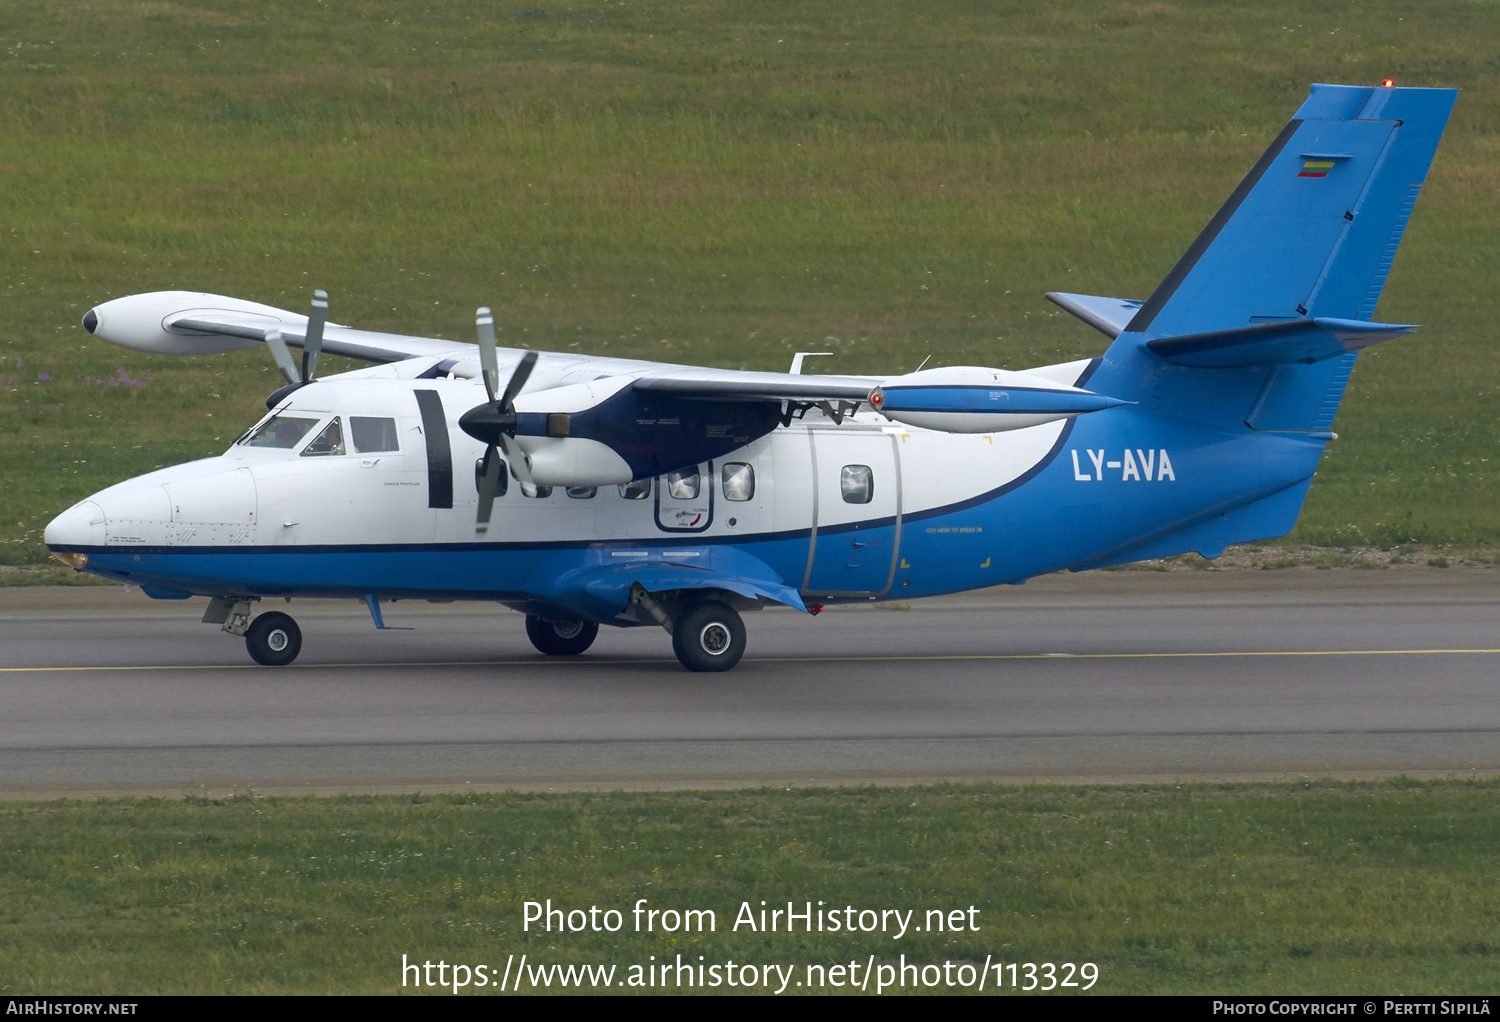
x=1109 y=675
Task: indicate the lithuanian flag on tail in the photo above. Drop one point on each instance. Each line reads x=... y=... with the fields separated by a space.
x=1316 y=168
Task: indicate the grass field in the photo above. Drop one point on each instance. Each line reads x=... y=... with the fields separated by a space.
x=1313 y=887
x=717 y=182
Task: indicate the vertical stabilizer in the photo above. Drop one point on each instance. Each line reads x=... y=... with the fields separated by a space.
x=1304 y=243
x=1313 y=229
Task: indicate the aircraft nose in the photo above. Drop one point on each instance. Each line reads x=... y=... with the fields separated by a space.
x=80 y=525
x=91 y=320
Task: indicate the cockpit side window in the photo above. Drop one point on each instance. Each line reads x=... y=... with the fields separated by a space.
x=284 y=431
x=330 y=441
x=373 y=435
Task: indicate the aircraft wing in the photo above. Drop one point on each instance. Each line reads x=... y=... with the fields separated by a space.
x=745 y=385
x=196 y=323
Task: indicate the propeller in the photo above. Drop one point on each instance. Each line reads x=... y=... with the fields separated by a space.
x=494 y=423
x=283 y=356
x=312 y=347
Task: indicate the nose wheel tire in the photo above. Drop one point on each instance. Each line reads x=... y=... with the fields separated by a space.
x=710 y=637
x=560 y=638
x=273 y=640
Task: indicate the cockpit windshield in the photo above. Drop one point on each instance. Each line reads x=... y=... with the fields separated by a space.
x=284 y=431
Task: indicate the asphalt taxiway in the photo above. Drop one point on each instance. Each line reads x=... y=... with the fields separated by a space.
x=1106 y=675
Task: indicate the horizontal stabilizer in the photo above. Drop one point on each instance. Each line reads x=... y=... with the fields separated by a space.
x=1107 y=315
x=1299 y=340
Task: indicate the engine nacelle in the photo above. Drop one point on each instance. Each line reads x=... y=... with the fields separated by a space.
x=607 y=431
x=544 y=430
x=974 y=399
x=573 y=461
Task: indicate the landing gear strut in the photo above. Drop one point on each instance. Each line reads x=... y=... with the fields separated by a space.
x=560 y=638
x=273 y=639
x=710 y=637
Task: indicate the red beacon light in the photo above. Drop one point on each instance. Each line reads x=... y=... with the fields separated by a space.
x=1387 y=83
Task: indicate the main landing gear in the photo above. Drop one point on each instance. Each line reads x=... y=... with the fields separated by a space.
x=710 y=637
x=560 y=638
x=707 y=635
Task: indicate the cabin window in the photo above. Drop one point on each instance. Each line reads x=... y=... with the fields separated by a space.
x=857 y=483
x=330 y=441
x=683 y=485
x=373 y=435
x=502 y=484
x=582 y=492
x=284 y=431
x=739 y=481
x=639 y=489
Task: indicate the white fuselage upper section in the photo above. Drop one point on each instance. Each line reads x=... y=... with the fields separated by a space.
x=297 y=496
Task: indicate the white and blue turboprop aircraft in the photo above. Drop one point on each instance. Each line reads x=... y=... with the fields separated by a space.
x=610 y=491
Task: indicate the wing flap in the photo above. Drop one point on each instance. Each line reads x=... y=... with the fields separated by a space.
x=366 y=345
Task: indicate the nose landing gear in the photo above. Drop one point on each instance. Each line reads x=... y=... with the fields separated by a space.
x=273 y=639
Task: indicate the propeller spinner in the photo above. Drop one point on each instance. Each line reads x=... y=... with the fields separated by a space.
x=494 y=423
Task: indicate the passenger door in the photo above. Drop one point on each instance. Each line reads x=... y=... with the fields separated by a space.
x=856 y=534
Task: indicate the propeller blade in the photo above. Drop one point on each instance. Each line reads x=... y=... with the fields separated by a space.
x=517 y=459
x=518 y=380
x=282 y=355
x=312 y=347
x=489 y=482
x=484 y=325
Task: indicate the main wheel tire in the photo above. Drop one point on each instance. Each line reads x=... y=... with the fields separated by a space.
x=561 y=638
x=273 y=639
x=710 y=637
